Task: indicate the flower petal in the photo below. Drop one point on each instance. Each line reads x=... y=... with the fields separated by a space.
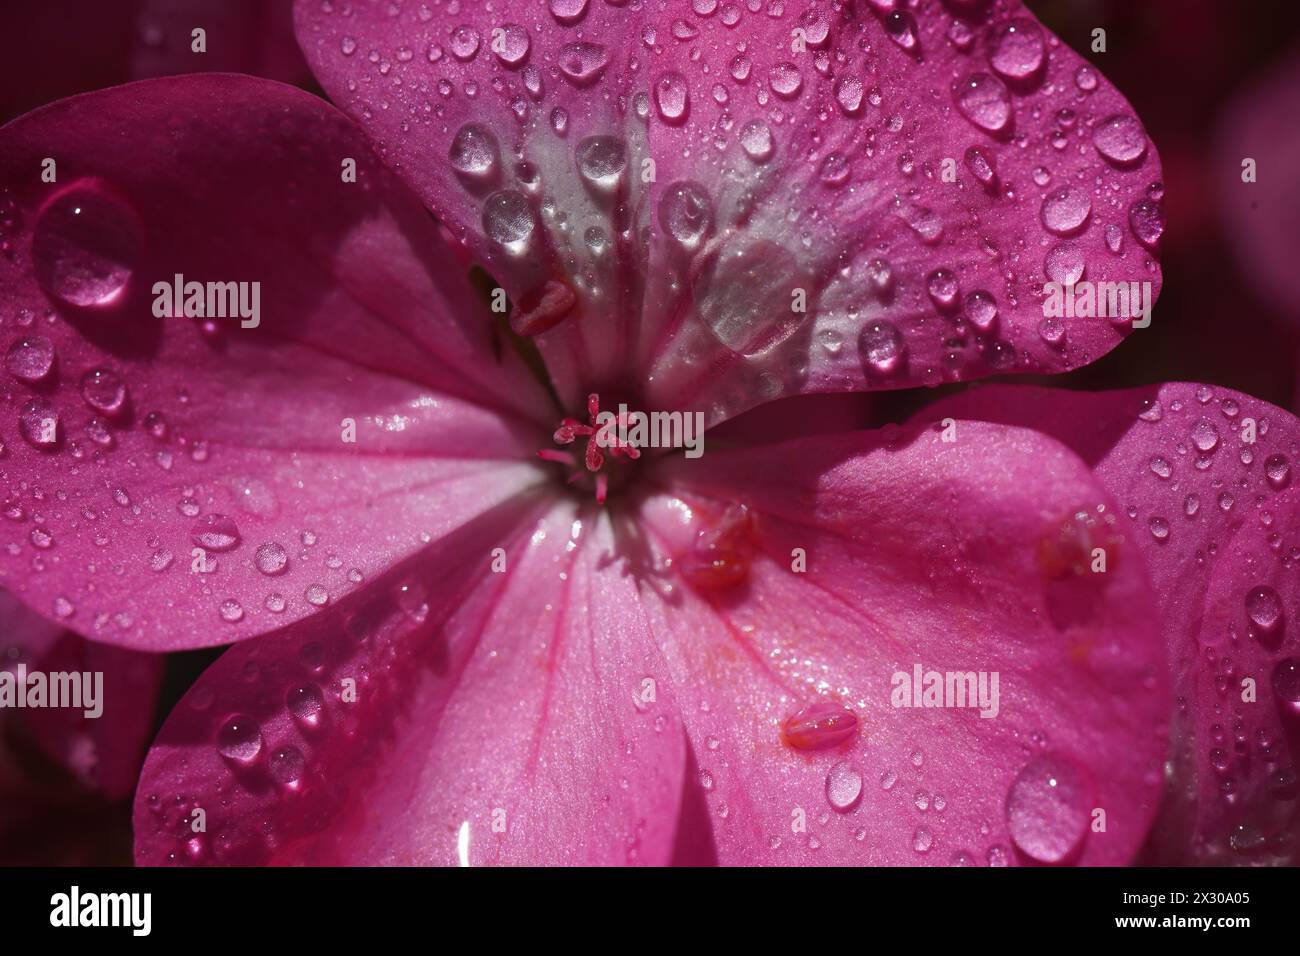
x=518 y=720
x=361 y=413
x=1204 y=475
x=103 y=751
x=864 y=557
x=742 y=205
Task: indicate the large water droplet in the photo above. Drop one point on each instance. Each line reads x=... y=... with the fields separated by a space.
x=216 y=532
x=881 y=348
x=686 y=213
x=1286 y=683
x=104 y=391
x=1047 y=808
x=568 y=11
x=271 y=558
x=583 y=63
x=85 y=246
x=601 y=160
x=756 y=141
x=819 y=726
x=305 y=704
x=1065 y=211
x=508 y=219
x=474 y=153
x=30 y=358
x=38 y=421
x=511 y=44
x=1146 y=218
x=672 y=97
x=287 y=765
x=1278 y=471
x=983 y=99
x=743 y=294
x=240 y=739
x=1264 y=609
x=901 y=28
x=785 y=80
x=843 y=786
x=1017 y=51
x=1120 y=139
x=464 y=42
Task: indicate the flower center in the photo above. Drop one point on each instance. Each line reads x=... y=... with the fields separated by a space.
x=604 y=447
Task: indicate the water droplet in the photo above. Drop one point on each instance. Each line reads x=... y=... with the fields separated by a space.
x=287 y=765
x=30 y=358
x=1047 y=808
x=508 y=219
x=271 y=558
x=85 y=246
x=672 y=97
x=232 y=612
x=785 y=80
x=881 y=348
x=942 y=287
x=474 y=153
x=1066 y=211
x=819 y=726
x=511 y=45
x=568 y=11
x=104 y=391
x=1159 y=528
x=843 y=786
x=848 y=93
x=305 y=704
x=1286 y=683
x=464 y=42
x=1146 y=218
x=1120 y=139
x=983 y=99
x=686 y=213
x=1278 y=471
x=756 y=141
x=922 y=840
x=1264 y=608
x=316 y=594
x=38 y=421
x=981 y=309
x=982 y=165
x=216 y=532
x=1017 y=50
x=583 y=63
x=900 y=26
x=1205 y=436
x=601 y=160
x=240 y=739
x=1065 y=264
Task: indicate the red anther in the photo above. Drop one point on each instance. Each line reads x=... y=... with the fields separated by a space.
x=603 y=444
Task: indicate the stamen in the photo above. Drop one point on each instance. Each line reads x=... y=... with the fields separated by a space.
x=603 y=446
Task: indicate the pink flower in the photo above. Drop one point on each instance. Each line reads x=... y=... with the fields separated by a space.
x=1204 y=476
x=448 y=649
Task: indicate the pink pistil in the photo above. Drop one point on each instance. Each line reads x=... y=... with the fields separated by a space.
x=602 y=439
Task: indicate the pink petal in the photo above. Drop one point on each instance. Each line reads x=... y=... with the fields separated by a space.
x=960 y=557
x=103 y=44
x=1215 y=519
x=1260 y=215
x=103 y=752
x=495 y=721
x=776 y=170
x=131 y=440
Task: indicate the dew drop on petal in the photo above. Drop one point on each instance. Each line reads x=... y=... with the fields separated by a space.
x=104 y=391
x=1120 y=139
x=843 y=786
x=983 y=99
x=240 y=739
x=216 y=532
x=85 y=246
x=1048 y=808
x=271 y=558
x=30 y=358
